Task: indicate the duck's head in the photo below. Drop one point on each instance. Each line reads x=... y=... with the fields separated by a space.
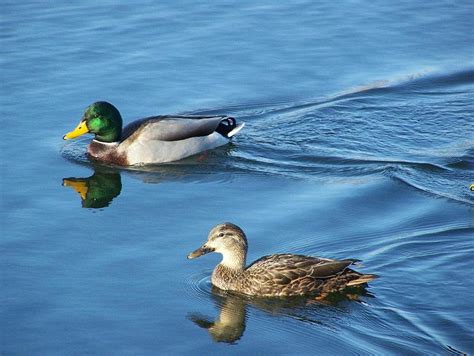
x=102 y=119
x=227 y=239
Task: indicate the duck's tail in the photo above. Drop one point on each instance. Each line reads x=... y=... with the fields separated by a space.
x=228 y=127
x=363 y=278
x=236 y=129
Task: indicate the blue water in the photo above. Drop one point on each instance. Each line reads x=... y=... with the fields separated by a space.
x=359 y=143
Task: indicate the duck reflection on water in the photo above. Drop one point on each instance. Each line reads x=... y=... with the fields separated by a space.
x=229 y=326
x=98 y=190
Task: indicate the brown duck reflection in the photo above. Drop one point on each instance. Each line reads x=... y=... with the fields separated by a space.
x=98 y=190
x=229 y=326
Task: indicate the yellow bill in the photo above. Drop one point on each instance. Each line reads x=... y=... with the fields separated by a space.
x=80 y=186
x=80 y=130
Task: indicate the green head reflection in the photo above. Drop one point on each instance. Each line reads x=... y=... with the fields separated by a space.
x=98 y=190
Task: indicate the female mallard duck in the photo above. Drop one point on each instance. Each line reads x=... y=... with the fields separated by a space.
x=281 y=275
x=156 y=139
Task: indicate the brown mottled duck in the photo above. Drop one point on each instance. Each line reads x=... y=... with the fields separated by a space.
x=279 y=275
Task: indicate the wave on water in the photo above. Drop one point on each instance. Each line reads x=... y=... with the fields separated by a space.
x=417 y=130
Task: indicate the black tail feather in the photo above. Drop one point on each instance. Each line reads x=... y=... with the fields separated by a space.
x=226 y=125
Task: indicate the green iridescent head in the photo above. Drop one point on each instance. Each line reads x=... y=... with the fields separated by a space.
x=102 y=119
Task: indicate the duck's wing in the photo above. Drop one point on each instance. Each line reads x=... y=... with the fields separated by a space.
x=172 y=128
x=286 y=268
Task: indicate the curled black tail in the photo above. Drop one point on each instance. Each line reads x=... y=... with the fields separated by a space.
x=226 y=126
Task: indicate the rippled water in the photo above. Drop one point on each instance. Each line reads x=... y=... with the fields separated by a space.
x=359 y=143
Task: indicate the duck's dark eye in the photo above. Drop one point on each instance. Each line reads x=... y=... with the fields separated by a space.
x=220 y=234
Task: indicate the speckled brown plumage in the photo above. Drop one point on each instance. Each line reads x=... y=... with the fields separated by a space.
x=278 y=275
x=287 y=275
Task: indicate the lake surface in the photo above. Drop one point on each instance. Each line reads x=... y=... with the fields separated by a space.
x=359 y=143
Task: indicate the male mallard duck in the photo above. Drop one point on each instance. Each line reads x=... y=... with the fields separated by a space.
x=281 y=275
x=156 y=139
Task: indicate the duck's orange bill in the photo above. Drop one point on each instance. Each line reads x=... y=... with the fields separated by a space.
x=79 y=186
x=80 y=130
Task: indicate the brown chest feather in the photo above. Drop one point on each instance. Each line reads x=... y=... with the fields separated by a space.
x=107 y=153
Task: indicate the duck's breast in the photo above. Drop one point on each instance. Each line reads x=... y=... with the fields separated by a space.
x=107 y=152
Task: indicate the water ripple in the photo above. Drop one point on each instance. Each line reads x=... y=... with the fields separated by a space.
x=386 y=128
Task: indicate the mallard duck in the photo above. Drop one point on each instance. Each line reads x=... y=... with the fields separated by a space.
x=156 y=139
x=280 y=275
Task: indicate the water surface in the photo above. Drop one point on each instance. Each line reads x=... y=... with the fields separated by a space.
x=359 y=143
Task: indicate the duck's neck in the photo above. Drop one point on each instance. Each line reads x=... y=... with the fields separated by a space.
x=112 y=135
x=229 y=271
x=234 y=261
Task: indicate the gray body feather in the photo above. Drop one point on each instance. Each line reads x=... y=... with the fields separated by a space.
x=172 y=128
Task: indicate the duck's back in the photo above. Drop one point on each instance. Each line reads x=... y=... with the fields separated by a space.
x=162 y=139
x=289 y=275
x=171 y=127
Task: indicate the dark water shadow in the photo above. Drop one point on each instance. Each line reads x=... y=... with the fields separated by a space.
x=229 y=325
